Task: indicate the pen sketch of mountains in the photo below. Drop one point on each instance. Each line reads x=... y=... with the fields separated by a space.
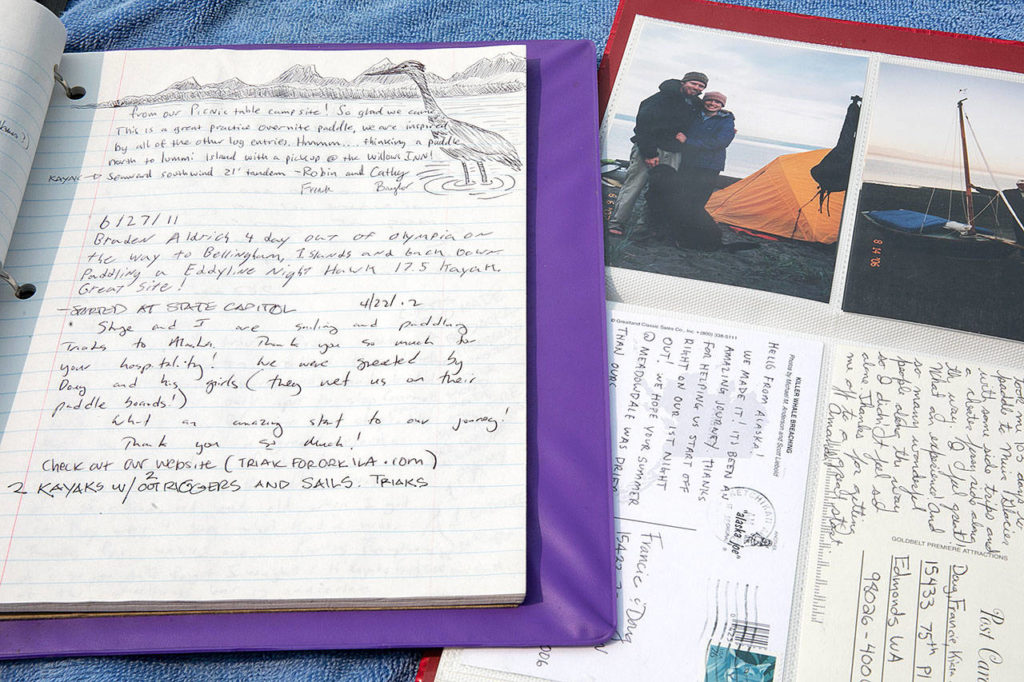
x=504 y=73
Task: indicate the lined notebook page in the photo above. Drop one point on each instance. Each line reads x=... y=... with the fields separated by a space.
x=280 y=348
x=31 y=42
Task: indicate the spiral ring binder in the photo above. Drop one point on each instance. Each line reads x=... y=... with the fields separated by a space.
x=21 y=291
x=72 y=91
x=24 y=291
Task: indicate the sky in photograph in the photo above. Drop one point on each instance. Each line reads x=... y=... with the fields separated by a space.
x=915 y=119
x=778 y=91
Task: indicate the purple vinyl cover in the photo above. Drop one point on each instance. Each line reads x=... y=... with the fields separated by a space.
x=570 y=598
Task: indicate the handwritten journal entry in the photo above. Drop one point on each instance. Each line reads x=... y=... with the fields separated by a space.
x=280 y=351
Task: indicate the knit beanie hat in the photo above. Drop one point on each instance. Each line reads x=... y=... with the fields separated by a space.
x=715 y=95
x=696 y=76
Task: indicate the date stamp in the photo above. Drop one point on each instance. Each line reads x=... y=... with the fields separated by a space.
x=745 y=518
x=876 y=253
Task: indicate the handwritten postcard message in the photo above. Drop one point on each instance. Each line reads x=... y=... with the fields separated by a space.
x=920 y=518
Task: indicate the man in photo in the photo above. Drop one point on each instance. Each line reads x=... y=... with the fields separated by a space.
x=676 y=199
x=662 y=122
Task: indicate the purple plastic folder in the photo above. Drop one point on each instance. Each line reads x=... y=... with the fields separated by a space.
x=570 y=597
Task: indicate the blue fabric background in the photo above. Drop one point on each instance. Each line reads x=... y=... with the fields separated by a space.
x=114 y=24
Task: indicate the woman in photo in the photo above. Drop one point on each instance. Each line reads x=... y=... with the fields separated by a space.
x=709 y=137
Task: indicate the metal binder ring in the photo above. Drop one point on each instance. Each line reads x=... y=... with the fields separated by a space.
x=72 y=92
x=21 y=291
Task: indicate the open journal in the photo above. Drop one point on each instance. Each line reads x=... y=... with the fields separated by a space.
x=817 y=369
x=277 y=353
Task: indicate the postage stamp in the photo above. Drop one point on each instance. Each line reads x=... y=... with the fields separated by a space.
x=725 y=664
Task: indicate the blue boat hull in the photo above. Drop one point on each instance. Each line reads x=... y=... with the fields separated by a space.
x=928 y=234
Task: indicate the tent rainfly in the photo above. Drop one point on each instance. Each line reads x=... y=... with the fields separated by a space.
x=781 y=199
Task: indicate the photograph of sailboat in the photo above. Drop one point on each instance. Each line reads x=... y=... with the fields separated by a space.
x=938 y=237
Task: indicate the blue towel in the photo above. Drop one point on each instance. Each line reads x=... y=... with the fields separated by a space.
x=106 y=24
x=115 y=24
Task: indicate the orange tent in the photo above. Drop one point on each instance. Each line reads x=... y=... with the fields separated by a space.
x=781 y=199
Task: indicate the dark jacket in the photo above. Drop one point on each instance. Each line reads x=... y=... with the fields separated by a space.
x=661 y=116
x=707 y=141
x=1015 y=198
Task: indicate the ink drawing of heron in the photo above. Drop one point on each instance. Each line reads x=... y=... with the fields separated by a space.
x=462 y=141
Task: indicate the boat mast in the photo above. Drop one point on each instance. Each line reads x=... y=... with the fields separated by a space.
x=967 y=167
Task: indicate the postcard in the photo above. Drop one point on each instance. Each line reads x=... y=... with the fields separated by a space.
x=711 y=441
x=919 y=521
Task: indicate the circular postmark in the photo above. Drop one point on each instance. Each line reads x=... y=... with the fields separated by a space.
x=744 y=518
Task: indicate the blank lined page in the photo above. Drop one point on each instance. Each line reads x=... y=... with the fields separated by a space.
x=31 y=42
x=279 y=353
